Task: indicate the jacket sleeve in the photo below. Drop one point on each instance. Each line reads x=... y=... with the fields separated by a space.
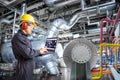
x=25 y=49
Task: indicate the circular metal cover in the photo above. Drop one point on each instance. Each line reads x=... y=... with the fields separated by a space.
x=81 y=51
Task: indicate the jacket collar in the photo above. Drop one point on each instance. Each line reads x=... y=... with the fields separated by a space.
x=20 y=31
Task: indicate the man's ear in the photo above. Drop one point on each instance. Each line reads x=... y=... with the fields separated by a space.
x=24 y=25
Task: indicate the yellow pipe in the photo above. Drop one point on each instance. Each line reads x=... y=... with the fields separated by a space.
x=114 y=45
x=101 y=47
x=98 y=77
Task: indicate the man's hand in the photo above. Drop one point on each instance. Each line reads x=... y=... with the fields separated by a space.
x=43 y=51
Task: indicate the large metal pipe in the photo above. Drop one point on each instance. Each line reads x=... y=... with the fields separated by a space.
x=73 y=21
x=23 y=9
x=58 y=3
x=94 y=23
x=5 y=21
x=65 y=3
x=14 y=23
x=53 y=31
x=61 y=24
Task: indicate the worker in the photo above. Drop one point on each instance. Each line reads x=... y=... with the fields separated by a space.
x=22 y=49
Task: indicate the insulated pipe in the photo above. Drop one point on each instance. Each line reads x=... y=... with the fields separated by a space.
x=53 y=31
x=73 y=21
x=64 y=3
x=14 y=24
x=84 y=7
x=58 y=3
x=23 y=9
x=5 y=21
x=95 y=23
x=82 y=4
x=51 y=3
x=61 y=24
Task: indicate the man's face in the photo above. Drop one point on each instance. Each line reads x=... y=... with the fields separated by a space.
x=29 y=29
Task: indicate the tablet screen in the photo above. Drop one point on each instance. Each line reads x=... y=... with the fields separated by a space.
x=51 y=43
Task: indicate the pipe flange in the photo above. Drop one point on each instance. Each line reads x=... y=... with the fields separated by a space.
x=81 y=50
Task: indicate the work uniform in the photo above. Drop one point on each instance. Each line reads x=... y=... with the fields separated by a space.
x=24 y=53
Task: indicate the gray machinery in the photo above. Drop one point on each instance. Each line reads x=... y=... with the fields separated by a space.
x=80 y=57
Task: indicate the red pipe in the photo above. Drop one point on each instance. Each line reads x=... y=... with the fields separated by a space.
x=110 y=21
x=101 y=26
x=115 y=21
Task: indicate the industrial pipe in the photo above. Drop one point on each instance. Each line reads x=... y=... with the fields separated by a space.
x=14 y=23
x=58 y=3
x=110 y=21
x=94 y=7
x=53 y=31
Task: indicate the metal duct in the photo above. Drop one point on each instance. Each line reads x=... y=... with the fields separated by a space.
x=51 y=3
x=73 y=21
x=65 y=3
x=55 y=26
x=7 y=2
x=58 y=3
x=5 y=21
x=61 y=24
x=23 y=9
x=53 y=31
x=83 y=5
x=92 y=32
x=94 y=23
